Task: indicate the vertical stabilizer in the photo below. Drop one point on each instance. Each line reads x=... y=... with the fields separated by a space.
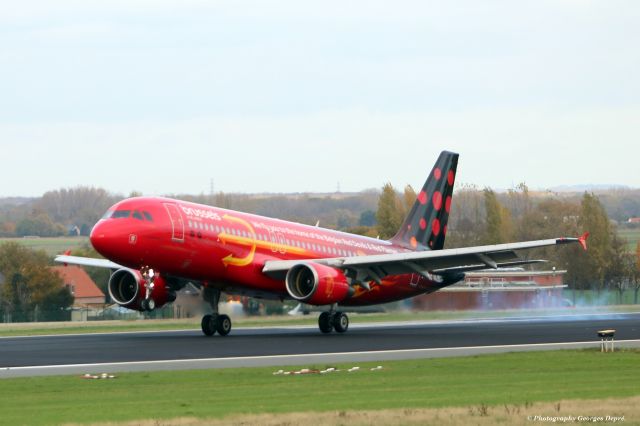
x=426 y=225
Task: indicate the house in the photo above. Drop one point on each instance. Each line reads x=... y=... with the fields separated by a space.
x=82 y=287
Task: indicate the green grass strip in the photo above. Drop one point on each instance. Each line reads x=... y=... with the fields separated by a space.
x=514 y=378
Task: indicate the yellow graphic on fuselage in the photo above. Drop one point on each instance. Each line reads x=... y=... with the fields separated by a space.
x=224 y=238
x=253 y=242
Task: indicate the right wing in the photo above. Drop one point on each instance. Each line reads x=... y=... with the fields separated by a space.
x=87 y=261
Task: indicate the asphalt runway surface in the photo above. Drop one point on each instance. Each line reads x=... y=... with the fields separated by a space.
x=136 y=351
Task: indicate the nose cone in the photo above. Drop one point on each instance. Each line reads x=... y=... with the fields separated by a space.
x=101 y=239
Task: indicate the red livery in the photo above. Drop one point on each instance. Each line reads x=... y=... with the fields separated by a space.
x=155 y=246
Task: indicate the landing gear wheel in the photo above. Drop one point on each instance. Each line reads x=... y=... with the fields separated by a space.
x=208 y=325
x=223 y=326
x=148 y=304
x=324 y=322
x=340 y=322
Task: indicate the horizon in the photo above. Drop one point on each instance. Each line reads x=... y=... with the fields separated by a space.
x=560 y=189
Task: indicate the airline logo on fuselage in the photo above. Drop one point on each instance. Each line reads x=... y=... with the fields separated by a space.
x=201 y=213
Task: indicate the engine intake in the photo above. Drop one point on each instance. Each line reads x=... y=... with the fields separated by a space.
x=127 y=289
x=317 y=284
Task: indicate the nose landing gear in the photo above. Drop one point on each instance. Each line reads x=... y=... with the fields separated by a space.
x=212 y=323
x=149 y=275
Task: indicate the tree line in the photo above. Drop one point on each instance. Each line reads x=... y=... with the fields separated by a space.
x=478 y=217
x=484 y=217
x=71 y=211
x=74 y=211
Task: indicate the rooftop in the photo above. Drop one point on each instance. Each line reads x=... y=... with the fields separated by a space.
x=80 y=283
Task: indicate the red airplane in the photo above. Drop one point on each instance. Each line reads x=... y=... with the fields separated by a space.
x=156 y=246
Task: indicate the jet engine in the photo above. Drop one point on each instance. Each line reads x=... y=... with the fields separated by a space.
x=317 y=284
x=128 y=289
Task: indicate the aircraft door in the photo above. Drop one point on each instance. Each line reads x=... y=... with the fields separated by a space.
x=177 y=223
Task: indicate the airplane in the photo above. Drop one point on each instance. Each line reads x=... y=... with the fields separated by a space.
x=155 y=246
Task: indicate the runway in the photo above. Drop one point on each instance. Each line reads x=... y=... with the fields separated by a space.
x=137 y=351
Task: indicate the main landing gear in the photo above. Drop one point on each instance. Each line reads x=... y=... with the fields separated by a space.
x=332 y=320
x=212 y=323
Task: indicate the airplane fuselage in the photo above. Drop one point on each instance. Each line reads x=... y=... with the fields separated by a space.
x=227 y=249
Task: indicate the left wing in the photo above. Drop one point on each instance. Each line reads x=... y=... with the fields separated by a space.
x=426 y=263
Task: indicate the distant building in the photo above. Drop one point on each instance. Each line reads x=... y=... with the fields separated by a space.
x=80 y=284
x=500 y=289
x=634 y=220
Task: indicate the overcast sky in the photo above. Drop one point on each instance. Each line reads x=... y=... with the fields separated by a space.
x=287 y=96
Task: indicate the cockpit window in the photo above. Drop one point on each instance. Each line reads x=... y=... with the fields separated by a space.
x=147 y=215
x=119 y=214
x=137 y=215
x=108 y=214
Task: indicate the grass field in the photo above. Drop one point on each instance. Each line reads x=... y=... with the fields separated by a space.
x=482 y=383
x=631 y=235
x=52 y=246
x=32 y=329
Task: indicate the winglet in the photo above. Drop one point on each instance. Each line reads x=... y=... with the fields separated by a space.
x=583 y=240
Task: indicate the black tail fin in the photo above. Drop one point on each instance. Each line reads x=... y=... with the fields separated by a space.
x=426 y=225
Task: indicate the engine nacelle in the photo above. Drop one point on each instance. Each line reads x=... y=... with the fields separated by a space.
x=317 y=284
x=127 y=289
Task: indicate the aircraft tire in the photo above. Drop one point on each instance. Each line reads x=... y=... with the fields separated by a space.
x=208 y=325
x=223 y=326
x=148 y=304
x=340 y=322
x=324 y=322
